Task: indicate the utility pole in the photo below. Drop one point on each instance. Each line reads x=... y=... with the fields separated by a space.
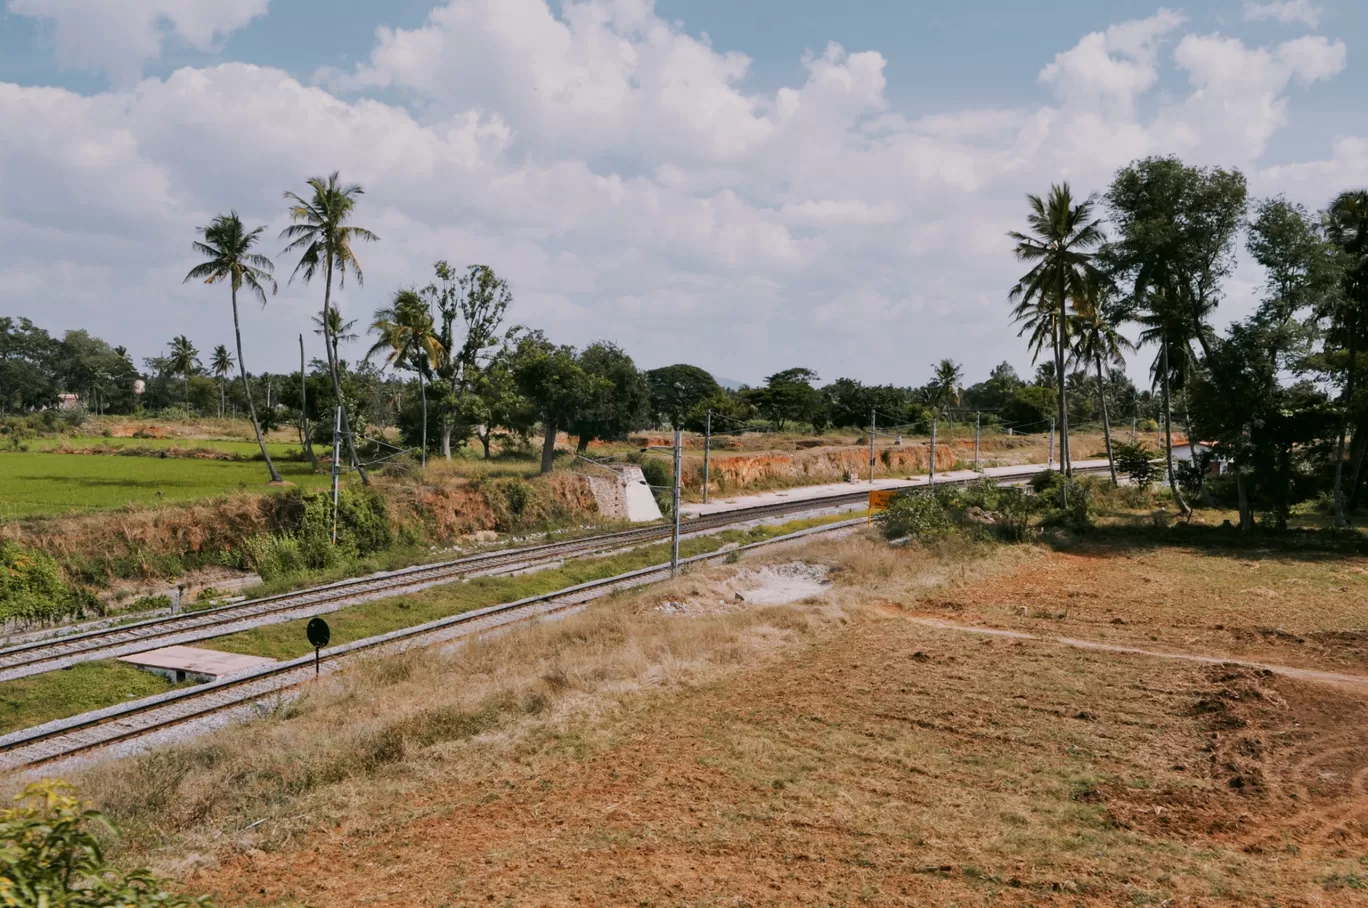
x=977 y=428
x=1133 y=422
x=873 y=427
x=336 y=465
x=933 y=453
x=707 y=449
x=1049 y=459
x=674 y=536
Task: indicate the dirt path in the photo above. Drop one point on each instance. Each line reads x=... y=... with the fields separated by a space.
x=1358 y=682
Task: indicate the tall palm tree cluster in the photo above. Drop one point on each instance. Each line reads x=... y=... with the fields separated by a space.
x=1064 y=290
x=323 y=237
x=1174 y=232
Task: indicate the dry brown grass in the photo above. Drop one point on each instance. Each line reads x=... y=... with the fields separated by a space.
x=828 y=751
x=138 y=536
x=401 y=714
x=1301 y=608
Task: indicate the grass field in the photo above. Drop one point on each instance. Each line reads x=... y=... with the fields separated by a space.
x=232 y=446
x=34 y=484
x=839 y=750
x=27 y=702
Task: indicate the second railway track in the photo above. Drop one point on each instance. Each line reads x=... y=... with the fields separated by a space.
x=118 y=724
x=55 y=653
x=111 y=642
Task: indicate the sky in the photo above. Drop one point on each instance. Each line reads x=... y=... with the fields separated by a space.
x=743 y=186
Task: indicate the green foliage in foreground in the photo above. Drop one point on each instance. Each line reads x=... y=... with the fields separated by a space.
x=37 y=485
x=51 y=856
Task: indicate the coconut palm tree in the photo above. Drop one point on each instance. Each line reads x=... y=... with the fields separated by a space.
x=227 y=247
x=341 y=332
x=323 y=238
x=406 y=330
x=1061 y=249
x=221 y=364
x=1346 y=225
x=1096 y=341
x=1163 y=318
x=946 y=385
x=184 y=359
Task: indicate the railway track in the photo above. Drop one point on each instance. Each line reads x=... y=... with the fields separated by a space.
x=125 y=722
x=111 y=642
x=51 y=654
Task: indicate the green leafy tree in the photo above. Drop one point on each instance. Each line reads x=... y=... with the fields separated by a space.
x=101 y=374
x=1029 y=406
x=323 y=237
x=407 y=336
x=620 y=402
x=472 y=306
x=1346 y=227
x=678 y=389
x=850 y=404
x=789 y=397
x=227 y=248
x=1176 y=228
x=996 y=390
x=496 y=402
x=730 y=413
x=27 y=366
x=551 y=377
x=1258 y=423
x=1061 y=249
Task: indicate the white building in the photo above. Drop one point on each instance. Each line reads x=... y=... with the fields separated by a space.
x=1184 y=453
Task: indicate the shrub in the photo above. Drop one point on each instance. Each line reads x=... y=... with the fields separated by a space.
x=919 y=515
x=272 y=555
x=1135 y=460
x=1014 y=510
x=1045 y=480
x=32 y=590
x=50 y=855
x=1076 y=514
x=150 y=603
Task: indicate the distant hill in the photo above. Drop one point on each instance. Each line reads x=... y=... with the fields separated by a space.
x=730 y=384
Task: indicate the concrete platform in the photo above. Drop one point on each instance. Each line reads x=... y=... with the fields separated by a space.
x=190 y=663
x=816 y=493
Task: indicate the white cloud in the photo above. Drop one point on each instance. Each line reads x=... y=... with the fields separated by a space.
x=119 y=36
x=620 y=172
x=1285 y=11
x=1239 y=96
x=1108 y=70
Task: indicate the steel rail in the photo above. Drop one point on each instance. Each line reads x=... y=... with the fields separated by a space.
x=110 y=642
x=48 y=655
x=112 y=725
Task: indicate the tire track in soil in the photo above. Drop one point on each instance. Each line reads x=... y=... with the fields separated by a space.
x=1317 y=824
